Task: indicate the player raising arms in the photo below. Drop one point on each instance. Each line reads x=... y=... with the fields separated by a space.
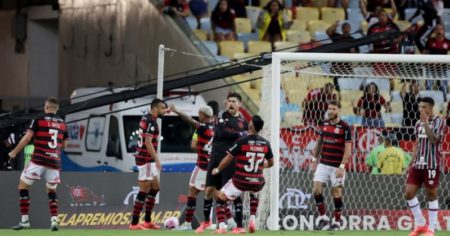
x=334 y=148
x=148 y=166
x=425 y=167
x=50 y=135
x=230 y=127
x=252 y=154
x=205 y=131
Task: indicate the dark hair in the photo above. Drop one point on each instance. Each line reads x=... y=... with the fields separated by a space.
x=52 y=100
x=215 y=107
x=156 y=102
x=235 y=95
x=216 y=14
x=428 y=100
x=280 y=6
x=335 y=103
x=258 y=123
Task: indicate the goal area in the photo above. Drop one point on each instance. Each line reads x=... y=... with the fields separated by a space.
x=379 y=96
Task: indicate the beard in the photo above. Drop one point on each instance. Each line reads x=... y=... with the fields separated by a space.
x=160 y=115
x=332 y=116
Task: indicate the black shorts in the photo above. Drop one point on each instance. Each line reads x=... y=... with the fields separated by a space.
x=224 y=175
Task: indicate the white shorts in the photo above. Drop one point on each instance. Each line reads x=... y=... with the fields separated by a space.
x=325 y=173
x=231 y=191
x=147 y=171
x=198 y=179
x=34 y=172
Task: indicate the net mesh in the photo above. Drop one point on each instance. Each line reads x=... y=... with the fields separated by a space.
x=371 y=201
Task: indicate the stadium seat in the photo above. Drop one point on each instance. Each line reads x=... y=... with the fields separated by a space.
x=437 y=95
x=296 y=96
x=410 y=12
x=206 y=24
x=263 y=3
x=243 y=25
x=253 y=14
x=319 y=82
x=331 y=14
x=295 y=84
x=201 y=34
x=293 y=119
x=447 y=26
x=347 y=108
x=307 y=13
x=446 y=14
x=398 y=85
x=353 y=5
x=229 y=48
x=403 y=25
x=352 y=119
x=222 y=59
x=247 y=37
x=285 y=107
x=350 y=95
x=364 y=26
x=211 y=46
x=243 y=55
x=259 y=47
x=298 y=36
x=397 y=106
x=319 y=3
x=397 y=117
x=192 y=22
x=349 y=83
x=318 y=25
x=299 y=25
x=286 y=46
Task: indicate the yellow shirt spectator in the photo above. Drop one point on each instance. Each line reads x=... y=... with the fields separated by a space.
x=391 y=161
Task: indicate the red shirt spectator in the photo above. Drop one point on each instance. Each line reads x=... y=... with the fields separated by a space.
x=384 y=25
x=369 y=105
x=316 y=104
x=180 y=7
x=439 y=44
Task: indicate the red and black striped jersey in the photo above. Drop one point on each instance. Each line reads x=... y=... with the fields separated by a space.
x=250 y=153
x=428 y=155
x=205 y=132
x=148 y=128
x=50 y=132
x=334 y=137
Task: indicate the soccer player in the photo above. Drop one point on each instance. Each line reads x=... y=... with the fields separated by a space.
x=334 y=149
x=424 y=169
x=230 y=127
x=205 y=131
x=252 y=154
x=50 y=135
x=148 y=165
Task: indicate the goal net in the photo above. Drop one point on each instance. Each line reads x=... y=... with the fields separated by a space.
x=379 y=95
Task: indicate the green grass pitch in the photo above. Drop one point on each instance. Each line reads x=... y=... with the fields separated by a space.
x=100 y=232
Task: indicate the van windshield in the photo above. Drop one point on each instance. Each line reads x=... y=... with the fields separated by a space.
x=176 y=134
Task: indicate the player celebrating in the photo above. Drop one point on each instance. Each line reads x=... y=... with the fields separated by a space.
x=425 y=167
x=250 y=154
x=334 y=147
x=205 y=132
x=50 y=135
x=230 y=127
x=148 y=166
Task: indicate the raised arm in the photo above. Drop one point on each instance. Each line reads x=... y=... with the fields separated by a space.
x=394 y=10
x=332 y=29
x=185 y=117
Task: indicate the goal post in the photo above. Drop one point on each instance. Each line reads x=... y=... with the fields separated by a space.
x=290 y=77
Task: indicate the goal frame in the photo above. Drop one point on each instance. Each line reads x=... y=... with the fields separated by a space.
x=280 y=57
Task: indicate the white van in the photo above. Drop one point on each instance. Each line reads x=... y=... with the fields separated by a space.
x=105 y=138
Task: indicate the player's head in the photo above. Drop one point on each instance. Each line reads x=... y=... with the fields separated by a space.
x=205 y=113
x=256 y=124
x=383 y=17
x=51 y=105
x=329 y=88
x=346 y=28
x=439 y=31
x=334 y=107
x=426 y=105
x=215 y=107
x=371 y=88
x=158 y=107
x=233 y=103
x=390 y=140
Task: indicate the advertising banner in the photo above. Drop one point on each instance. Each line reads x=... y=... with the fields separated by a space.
x=93 y=200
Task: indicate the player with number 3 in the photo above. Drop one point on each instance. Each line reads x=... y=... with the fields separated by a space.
x=50 y=134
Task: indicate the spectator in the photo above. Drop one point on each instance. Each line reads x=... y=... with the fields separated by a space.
x=179 y=7
x=330 y=3
x=371 y=10
x=238 y=6
x=316 y=104
x=392 y=160
x=369 y=107
x=199 y=8
x=431 y=14
x=384 y=25
x=222 y=22
x=344 y=37
x=438 y=45
x=410 y=99
x=273 y=22
x=372 y=158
